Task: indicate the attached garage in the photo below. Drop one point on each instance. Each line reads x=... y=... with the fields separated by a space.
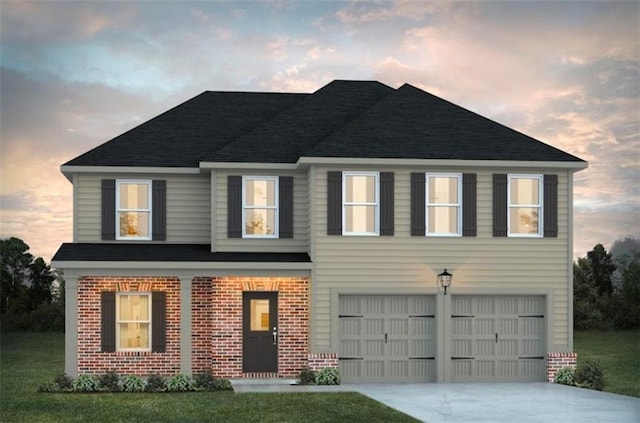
x=498 y=338
x=387 y=338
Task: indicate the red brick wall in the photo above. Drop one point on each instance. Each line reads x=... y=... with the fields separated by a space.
x=318 y=361
x=558 y=361
x=293 y=316
x=201 y=324
x=92 y=361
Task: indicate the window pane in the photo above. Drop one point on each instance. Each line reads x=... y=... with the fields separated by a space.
x=260 y=221
x=134 y=224
x=134 y=196
x=134 y=335
x=134 y=307
x=523 y=220
x=260 y=193
x=360 y=219
x=443 y=190
x=360 y=189
x=259 y=314
x=443 y=220
x=524 y=191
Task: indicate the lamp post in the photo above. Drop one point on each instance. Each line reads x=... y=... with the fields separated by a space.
x=444 y=280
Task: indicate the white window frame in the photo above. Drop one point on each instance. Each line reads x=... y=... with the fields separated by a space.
x=539 y=206
x=458 y=204
x=375 y=204
x=276 y=207
x=119 y=183
x=118 y=321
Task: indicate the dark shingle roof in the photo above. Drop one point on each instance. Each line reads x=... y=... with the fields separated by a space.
x=358 y=119
x=167 y=253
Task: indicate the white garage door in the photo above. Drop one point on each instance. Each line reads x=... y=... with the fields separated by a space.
x=498 y=338
x=387 y=338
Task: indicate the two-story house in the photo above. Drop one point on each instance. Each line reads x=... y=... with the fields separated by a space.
x=252 y=234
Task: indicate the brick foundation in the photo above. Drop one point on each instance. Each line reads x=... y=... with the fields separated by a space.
x=559 y=360
x=90 y=358
x=317 y=361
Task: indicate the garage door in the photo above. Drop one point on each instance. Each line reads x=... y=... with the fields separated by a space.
x=386 y=338
x=498 y=338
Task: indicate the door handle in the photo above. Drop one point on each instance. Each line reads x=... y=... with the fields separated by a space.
x=275 y=335
x=385 y=338
x=496 y=338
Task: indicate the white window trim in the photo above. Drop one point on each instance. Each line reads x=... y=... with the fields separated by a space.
x=539 y=206
x=245 y=207
x=147 y=182
x=458 y=233
x=118 y=296
x=375 y=204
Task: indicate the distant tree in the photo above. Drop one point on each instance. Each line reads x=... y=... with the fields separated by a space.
x=586 y=301
x=14 y=268
x=602 y=268
x=41 y=279
x=625 y=249
x=625 y=307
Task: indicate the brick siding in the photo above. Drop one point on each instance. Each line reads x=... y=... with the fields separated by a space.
x=559 y=360
x=318 y=361
x=90 y=358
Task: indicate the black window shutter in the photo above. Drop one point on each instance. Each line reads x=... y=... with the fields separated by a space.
x=469 y=205
x=550 y=206
x=159 y=210
x=108 y=321
x=500 y=204
x=418 y=204
x=285 y=205
x=108 y=209
x=334 y=203
x=158 y=321
x=386 y=203
x=234 y=206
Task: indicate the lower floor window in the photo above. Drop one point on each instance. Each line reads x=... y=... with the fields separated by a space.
x=133 y=321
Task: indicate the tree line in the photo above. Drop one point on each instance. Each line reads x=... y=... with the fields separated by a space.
x=606 y=287
x=31 y=293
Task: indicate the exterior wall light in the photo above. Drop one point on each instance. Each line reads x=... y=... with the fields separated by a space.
x=444 y=280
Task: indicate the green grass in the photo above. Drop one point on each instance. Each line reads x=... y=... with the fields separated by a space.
x=30 y=359
x=619 y=354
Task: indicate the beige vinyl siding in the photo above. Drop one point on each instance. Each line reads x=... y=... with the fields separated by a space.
x=188 y=206
x=481 y=264
x=300 y=240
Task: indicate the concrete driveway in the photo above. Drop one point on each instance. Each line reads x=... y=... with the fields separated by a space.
x=503 y=402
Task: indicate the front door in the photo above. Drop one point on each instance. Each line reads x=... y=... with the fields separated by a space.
x=260 y=332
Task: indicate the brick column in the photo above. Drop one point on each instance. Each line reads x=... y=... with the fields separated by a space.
x=559 y=360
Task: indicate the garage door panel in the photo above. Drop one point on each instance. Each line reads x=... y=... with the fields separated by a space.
x=507 y=334
x=395 y=338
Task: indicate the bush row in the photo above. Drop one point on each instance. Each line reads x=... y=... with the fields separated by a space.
x=45 y=318
x=326 y=376
x=112 y=382
x=587 y=375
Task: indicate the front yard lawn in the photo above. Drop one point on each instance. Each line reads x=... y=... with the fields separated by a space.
x=30 y=359
x=619 y=354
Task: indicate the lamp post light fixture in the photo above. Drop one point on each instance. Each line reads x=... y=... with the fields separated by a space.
x=444 y=280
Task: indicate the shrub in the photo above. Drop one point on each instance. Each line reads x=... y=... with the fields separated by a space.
x=589 y=374
x=64 y=381
x=307 y=376
x=180 y=383
x=565 y=376
x=328 y=376
x=156 y=383
x=132 y=384
x=109 y=381
x=49 y=387
x=206 y=381
x=85 y=383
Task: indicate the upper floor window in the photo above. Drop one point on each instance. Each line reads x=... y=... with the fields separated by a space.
x=525 y=205
x=133 y=321
x=133 y=209
x=360 y=205
x=260 y=206
x=444 y=204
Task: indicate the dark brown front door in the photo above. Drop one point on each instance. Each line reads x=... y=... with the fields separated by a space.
x=260 y=332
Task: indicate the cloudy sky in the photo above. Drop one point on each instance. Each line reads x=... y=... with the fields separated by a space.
x=76 y=74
